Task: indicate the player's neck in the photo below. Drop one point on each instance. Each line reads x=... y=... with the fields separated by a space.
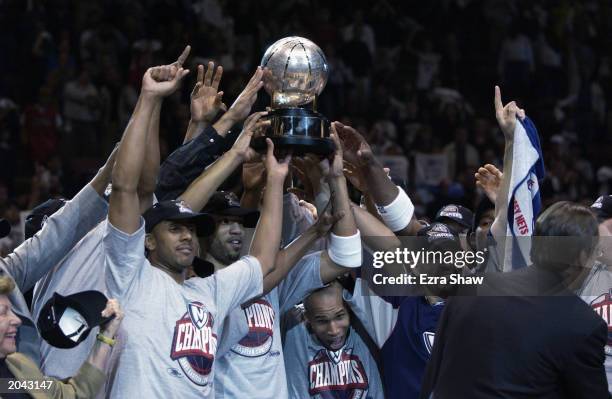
x=218 y=265
x=177 y=276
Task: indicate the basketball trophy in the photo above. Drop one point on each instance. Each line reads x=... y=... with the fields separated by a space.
x=295 y=73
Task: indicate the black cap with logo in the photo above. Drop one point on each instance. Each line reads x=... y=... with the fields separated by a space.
x=225 y=203
x=439 y=235
x=66 y=321
x=37 y=219
x=455 y=213
x=178 y=211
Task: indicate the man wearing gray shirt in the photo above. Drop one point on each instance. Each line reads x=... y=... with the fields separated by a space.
x=255 y=367
x=83 y=267
x=37 y=255
x=325 y=357
x=172 y=324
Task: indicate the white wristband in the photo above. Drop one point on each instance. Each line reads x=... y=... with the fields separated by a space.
x=398 y=213
x=345 y=251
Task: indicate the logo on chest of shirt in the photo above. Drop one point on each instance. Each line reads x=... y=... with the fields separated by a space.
x=260 y=317
x=337 y=375
x=602 y=305
x=194 y=344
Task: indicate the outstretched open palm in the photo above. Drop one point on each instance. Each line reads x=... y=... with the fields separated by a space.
x=206 y=99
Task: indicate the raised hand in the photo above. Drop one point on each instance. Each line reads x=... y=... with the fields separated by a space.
x=242 y=146
x=206 y=100
x=307 y=171
x=354 y=175
x=355 y=148
x=253 y=176
x=336 y=164
x=327 y=220
x=163 y=80
x=241 y=108
x=506 y=115
x=489 y=178
x=275 y=170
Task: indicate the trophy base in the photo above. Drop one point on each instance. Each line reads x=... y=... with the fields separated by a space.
x=299 y=130
x=297 y=145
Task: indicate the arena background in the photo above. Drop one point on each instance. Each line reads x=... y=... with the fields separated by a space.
x=415 y=77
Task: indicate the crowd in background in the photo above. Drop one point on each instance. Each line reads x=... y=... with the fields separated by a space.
x=416 y=78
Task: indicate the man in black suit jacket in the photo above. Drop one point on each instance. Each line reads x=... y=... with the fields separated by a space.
x=526 y=334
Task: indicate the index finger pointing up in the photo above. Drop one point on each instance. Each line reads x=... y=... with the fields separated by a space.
x=183 y=56
x=499 y=107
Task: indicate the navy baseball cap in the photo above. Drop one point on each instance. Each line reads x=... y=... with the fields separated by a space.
x=37 y=219
x=439 y=235
x=455 y=213
x=178 y=211
x=602 y=207
x=66 y=321
x=225 y=203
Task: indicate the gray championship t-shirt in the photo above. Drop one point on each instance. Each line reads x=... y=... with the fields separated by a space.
x=171 y=331
x=254 y=367
x=597 y=292
x=81 y=270
x=39 y=254
x=313 y=371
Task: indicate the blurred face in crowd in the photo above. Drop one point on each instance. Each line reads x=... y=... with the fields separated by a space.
x=9 y=324
x=227 y=241
x=327 y=316
x=173 y=244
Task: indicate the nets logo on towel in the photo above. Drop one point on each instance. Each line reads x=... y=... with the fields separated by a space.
x=602 y=305
x=337 y=375
x=194 y=344
x=260 y=316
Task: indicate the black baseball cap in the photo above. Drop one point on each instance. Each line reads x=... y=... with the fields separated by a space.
x=38 y=217
x=455 y=213
x=439 y=235
x=66 y=321
x=602 y=208
x=5 y=228
x=225 y=203
x=178 y=211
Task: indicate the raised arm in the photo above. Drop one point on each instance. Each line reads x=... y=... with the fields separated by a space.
x=158 y=82
x=506 y=118
x=374 y=233
x=31 y=260
x=241 y=108
x=150 y=169
x=202 y=188
x=266 y=239
x=188 y=161
x=103 y=177
x=289 y=256
x=489 y=179
x=392 y=203
x=344 y=249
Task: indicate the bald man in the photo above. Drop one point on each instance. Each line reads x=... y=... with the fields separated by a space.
x=324 y=353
